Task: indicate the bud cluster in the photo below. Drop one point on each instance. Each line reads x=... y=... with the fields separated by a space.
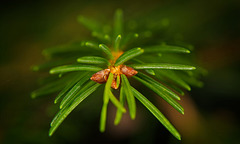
x=102 y=76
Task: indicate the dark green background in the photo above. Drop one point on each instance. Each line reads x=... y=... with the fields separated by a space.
x=212 y=112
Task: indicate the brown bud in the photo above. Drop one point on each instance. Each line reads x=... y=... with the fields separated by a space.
x=128 y=71
x=115 y=84
x=101 y=76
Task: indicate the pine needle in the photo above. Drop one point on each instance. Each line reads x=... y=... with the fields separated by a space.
x=129 y=95
x=128 y=55
x=163 y=66
x=156 y=113
x=70 y=68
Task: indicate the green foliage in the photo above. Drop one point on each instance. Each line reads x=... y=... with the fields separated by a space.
x=128 y=55
x=151 y=84
x=162 y=66
x=118 y=23
x=117 y=43
x=93 y=60
x=164 y=69
x=70 y=68
x=166 y=48
x=129 y=96
x=119 y=112
x=69 y=86
x=106 y=50
x=156 y=113
x=107 y=92
x=78 y=98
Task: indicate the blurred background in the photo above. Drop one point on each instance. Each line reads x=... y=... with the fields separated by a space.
x=211 y=112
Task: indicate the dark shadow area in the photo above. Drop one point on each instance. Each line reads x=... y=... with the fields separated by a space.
x=211 y=112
